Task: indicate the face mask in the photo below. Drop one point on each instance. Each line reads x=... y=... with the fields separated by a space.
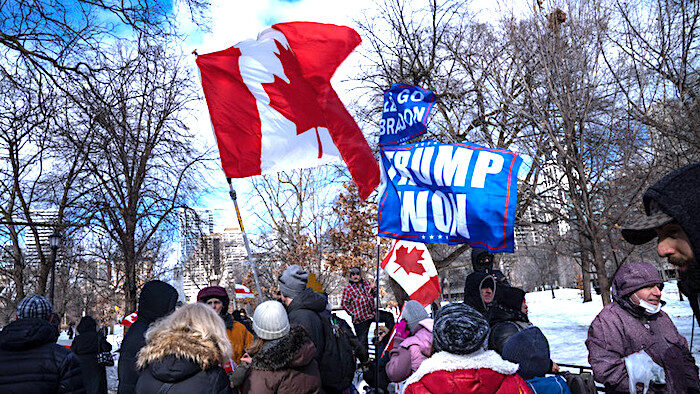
x=648 y=308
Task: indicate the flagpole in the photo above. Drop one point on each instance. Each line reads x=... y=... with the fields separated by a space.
x=376 y=326
x=251 y=261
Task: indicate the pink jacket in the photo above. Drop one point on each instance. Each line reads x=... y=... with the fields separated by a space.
x=411 y=352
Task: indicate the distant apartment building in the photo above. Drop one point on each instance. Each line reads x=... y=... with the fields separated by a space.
x=218 y=259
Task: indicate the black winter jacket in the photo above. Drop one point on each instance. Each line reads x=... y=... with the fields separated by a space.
x=157 y=299
x=185 y=376
x=505 y=317
x=304 y=310
x=32 y=362
x=85 y=346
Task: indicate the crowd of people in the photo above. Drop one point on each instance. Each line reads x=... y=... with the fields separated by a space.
x=295 y=344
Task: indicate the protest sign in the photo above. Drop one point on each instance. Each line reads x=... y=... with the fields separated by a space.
x=405 y=113
x=449 y=193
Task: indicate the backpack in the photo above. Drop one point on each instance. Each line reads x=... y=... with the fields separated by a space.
x=337 y=364
x=582 y=383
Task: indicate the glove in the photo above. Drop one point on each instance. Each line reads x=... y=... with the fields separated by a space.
x=401 y=330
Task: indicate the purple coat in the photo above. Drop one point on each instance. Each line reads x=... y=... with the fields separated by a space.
x=623 y=328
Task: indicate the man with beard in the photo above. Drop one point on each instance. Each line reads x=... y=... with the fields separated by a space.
x=358 y=301
x=672 y=207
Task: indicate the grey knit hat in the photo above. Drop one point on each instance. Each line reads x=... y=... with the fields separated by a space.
x=293 y=281
x=413 y=313
x=270 y=320
x=34 y=306
x=459 y=329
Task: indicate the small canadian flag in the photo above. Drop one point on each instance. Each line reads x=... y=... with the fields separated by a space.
x=127 y=321
x=410 y=265
x=243 y=291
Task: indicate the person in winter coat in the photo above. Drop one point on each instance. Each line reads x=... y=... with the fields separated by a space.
x=482 y=261
x=217 y=298
x=157 y=299
x=461 y=364
x=633 y=322
x=303 y=305
x=507 y=317
x=183 y=354
x=86 y=345
x=672 y=207
x=529 y=349
x=358 y=302
x=409 y=353
x=282 y=358
x=30 y=359
x=480 y=291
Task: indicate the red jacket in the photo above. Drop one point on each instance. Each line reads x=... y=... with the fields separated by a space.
x=482 y=372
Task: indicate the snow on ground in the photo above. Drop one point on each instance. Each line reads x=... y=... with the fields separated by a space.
x=564 y=320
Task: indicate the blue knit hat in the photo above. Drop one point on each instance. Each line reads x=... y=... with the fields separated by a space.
x=34 y=306
x=459 y=329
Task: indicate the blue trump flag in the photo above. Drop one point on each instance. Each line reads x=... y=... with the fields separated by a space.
x=449 y=193
x=405 y=114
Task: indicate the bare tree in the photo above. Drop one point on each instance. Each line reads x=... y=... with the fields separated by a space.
x=655 y=59
x=141 y=156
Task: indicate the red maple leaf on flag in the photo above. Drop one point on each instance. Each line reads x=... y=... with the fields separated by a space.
x=295 y=100
x=409 y=261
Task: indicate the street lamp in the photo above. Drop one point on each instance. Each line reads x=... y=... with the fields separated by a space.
x=54 y=242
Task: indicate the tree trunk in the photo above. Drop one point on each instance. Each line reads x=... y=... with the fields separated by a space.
x=601 y=273
x=586 y=279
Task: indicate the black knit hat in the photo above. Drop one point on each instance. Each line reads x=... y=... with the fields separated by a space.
x=459 y=329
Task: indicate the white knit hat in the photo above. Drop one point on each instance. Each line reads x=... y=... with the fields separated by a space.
x=270 y=320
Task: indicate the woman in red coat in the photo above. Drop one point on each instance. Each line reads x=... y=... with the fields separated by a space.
x=461 y=363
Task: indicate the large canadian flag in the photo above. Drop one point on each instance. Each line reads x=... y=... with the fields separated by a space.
x=273 y=108
x=410 y=265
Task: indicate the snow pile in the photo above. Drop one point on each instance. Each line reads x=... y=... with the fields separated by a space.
x=564 y=320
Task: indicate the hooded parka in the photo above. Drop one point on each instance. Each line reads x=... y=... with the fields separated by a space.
x=472 y=290
x=304 y=311
x=623 y=328
x=32 y=362
x=180 y=362
x=284 y=365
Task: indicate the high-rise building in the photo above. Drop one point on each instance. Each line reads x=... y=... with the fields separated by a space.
x=43 y=218
x=194 y=224
x=208 y=258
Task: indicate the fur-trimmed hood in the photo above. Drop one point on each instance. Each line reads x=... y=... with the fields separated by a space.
x=293 y=350
x=444 y=361
x=182 y=345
